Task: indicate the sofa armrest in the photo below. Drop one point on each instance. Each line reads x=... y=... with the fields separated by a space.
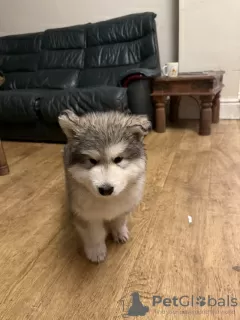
x=136 y=74
x=138 y=84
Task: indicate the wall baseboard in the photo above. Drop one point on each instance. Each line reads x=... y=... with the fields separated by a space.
x=230 y=109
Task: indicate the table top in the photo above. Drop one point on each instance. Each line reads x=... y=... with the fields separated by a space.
x=189 y=83
x=186 y=76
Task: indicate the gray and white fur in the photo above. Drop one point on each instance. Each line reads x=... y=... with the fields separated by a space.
x=105 y=164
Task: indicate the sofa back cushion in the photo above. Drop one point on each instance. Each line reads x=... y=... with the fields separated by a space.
x=19 y=55
x=62 y=57
x=117 y=45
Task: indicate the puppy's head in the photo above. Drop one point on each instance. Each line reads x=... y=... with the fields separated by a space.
x=105 y=151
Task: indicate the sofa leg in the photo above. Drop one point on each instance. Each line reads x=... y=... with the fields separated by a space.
x=3 y=161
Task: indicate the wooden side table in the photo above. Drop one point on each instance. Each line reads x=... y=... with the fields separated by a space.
x=3 y=161
x=206 y=85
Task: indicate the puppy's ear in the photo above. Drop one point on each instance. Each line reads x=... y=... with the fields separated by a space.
x=140 y=125
x=69 y=122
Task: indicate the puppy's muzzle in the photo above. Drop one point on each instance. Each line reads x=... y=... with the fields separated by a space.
x=106 y=190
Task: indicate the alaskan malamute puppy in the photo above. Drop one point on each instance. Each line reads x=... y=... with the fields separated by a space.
x=105 y=165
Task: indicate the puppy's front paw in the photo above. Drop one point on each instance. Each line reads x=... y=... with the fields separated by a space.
x=121 y=234
x=96 y=254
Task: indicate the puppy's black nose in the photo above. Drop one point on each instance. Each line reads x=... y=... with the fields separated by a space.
x=106 y=190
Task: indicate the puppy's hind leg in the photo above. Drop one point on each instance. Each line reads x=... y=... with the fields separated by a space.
x=119 y=229
x=93 y=235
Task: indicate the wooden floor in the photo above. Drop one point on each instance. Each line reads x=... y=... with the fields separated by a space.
x=42 y=275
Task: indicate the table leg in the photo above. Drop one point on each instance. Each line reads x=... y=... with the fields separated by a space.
x=3 y=162
x=160 y=105
x=205 y=115
x=174 y=108
x=216 y=108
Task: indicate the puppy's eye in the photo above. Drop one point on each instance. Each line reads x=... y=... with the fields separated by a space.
x=93 y=161
x=117 y=160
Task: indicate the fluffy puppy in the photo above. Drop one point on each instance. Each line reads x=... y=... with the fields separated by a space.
x=105 y=163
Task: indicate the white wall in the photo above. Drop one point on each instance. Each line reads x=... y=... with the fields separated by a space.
x=20 y=16
x=209 y=39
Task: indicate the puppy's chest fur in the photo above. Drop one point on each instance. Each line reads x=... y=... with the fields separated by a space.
x=84 y=205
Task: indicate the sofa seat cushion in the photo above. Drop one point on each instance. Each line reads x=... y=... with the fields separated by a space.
x=20 y=106
x=82 y=100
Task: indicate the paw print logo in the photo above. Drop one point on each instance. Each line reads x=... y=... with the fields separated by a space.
x=201 y=301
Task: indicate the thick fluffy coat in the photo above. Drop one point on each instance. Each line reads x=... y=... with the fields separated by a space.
x=105 y=165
